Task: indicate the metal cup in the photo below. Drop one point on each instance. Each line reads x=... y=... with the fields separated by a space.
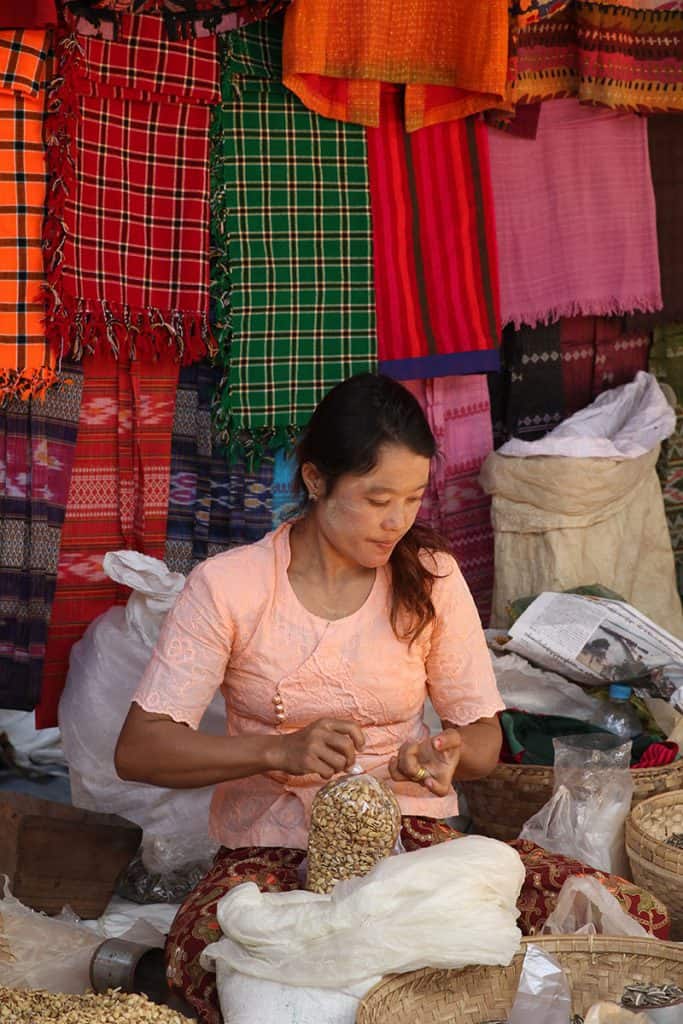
x=130 y=966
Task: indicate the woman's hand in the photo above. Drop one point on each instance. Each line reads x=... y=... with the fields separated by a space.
x=323 y=748
x=432 y=763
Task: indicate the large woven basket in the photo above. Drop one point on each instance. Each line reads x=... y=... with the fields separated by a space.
x=597 y=967
x=501 y=803
x=655 y=865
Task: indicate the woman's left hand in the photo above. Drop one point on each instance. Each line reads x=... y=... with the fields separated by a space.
x=432 y=763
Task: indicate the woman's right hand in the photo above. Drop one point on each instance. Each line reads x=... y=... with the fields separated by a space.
x=325 y=747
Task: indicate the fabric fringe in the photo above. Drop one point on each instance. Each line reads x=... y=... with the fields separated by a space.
x=26 y=384
x=576 y=307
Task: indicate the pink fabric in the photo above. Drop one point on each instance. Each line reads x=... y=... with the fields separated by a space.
x=459 y=413
x=575 y=216
x=239 y=625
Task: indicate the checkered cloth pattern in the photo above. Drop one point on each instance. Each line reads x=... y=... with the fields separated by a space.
x=24 y=369
x=293 y=277
x=127 y=230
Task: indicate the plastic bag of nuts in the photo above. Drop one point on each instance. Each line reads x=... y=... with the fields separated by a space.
x=355 y=822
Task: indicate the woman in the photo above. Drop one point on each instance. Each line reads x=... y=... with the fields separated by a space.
x=325 y=638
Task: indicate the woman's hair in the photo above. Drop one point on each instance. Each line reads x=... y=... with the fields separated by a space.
x=344 y=435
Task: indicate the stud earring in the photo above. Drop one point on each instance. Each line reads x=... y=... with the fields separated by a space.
x=312 y=496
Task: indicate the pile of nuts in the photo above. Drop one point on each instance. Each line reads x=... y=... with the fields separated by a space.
x=355 y=822
x=23 y=1006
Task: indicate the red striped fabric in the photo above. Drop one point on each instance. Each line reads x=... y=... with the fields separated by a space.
x=118 y=498
x=434 y=246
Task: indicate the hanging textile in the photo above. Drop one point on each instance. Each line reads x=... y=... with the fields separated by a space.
x=25 y=368
x=118 y=498
x=527 y=397
x=598 y=354
x=458 y=411
x=286 y=500
x=666 y=362
x=212 y=505
x=665 y=140
x=436 y=281
x=37 y=442
x=182 y=18
x=451 y=57
x=127 y=229
x=628 y=55
x=27 y=14
x=292 y=277
x=583 y=241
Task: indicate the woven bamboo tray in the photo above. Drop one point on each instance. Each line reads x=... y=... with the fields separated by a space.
x=655 y=865
x=597 y=966
x=501 y=803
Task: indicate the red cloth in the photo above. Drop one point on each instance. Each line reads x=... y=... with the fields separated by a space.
x=436 y=279
x=118 y=498
x=598 y=353
x=127 y=229
x=27 y=13
x=657 y=755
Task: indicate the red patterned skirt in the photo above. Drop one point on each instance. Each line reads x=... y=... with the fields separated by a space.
x=276 y=869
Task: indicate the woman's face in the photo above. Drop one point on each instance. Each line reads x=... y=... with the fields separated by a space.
x=365 y=516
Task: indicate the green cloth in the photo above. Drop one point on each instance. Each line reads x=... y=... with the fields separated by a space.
x=530 y=737
x=666 y=362
x=292 y=274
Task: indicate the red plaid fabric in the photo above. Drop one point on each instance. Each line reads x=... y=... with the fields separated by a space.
x=128 y=221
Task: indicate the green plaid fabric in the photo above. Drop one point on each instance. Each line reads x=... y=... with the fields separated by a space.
x=292 y=275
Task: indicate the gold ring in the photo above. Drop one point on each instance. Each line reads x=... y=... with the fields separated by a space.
x=420 y=774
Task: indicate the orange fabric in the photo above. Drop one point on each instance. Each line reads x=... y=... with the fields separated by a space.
x=24 y=361
x=452 y=57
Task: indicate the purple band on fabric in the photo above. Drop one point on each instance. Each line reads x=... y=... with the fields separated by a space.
x=445 y=364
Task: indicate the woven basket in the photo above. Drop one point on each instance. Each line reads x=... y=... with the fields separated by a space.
x=597 y=967
x=501 y=803
x=655 y=865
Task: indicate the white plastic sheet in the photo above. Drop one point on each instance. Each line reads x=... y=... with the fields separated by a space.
x=622 y=423
x=447 y=906
x=105 y=667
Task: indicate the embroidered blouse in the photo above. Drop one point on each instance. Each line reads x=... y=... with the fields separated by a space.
x=238 y=625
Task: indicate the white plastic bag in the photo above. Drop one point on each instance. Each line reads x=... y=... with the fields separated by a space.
x=539 y=692
x=52 y=953
x=584 y=906
x=612 y=1013
x=543 y=995
x=592 y=794
x=446 y=906
x=105 y=667
x=245 y=1000
x=622 y=423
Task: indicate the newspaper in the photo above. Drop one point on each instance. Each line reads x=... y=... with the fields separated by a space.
x=597 y=640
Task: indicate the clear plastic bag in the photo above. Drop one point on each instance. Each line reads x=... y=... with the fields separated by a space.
x=585 y=816
x=543 y=995
x=355 y=823
x=51 y=953
x=584 y=906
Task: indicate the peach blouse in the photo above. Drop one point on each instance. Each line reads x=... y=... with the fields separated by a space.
x=238 y=625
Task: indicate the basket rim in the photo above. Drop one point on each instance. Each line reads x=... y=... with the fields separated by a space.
x=637 y=814
x=655 y=867
x=589 y=944
x=504 y=768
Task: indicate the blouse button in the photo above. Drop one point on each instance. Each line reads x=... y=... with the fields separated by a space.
x=280 y=715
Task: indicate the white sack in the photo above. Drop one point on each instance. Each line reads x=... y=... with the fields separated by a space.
x=622 y=423
x=540 y=692
x=561 y=523
x=446 y=906
x=105 y=667
x=246 y=1000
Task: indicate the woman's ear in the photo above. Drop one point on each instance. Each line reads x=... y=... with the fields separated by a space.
x=313 y=481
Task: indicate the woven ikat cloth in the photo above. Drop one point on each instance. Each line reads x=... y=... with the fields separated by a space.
x=292 y=231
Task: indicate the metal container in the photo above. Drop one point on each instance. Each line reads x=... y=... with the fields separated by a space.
x=130 y=966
